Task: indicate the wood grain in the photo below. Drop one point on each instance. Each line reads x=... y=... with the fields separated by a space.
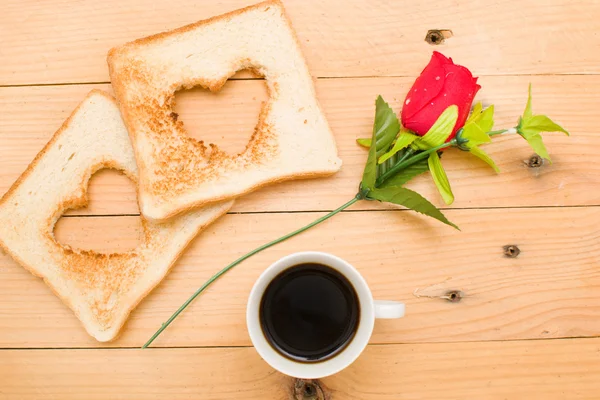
x=32 y=114
x=549 y=369
x=551 y=290
x=472 y=349
x=58 y=41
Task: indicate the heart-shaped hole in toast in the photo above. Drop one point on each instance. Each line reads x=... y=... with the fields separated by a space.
x=225 y=118
x=101 y=287
x=110 y=222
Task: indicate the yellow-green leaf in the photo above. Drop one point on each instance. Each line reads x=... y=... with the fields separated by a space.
x=409 y=199
x=528 y=113
x=531 y=126
x=419 y=144
x=440 y=178
x=474 y=134
x=476 y=129
x=404 y=140
x=442 y=128
x=537 y=144
x=539 y=123
x=477 y=152
x=364 y=142
x=486 y=120
x=475 y=113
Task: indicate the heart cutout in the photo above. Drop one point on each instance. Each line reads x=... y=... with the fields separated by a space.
x=100 y=231
x=292 y=139
x=101 y=288
x=225 y=118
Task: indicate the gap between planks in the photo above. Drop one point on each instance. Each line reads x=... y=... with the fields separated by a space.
x=35 y=84
x=491 y=371
x=549 y=290
x=344 y=211
x=33 y=114
x=557 y=339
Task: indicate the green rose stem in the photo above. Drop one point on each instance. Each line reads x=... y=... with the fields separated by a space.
x=246 y=256
x=501 y=131
x=404 y=162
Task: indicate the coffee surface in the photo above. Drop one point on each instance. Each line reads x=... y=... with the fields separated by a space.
x=309 y=312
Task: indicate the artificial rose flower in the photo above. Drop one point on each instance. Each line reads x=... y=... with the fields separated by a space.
x=441 y=84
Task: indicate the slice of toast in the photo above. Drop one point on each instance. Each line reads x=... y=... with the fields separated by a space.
x=291 y=140
x=101 y=289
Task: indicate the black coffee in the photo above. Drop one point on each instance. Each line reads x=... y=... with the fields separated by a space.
x=309 y=312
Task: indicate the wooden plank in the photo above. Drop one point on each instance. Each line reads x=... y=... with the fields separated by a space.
x=551 y=290
x=549 y=369
x=350 y=38
x=32 y=114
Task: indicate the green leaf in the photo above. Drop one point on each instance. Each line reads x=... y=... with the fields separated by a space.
x=475 y=113
x=409 y=199
x=537 y=144
x=539 y=123
x=442 y=128
x=486 y=120
x=440 y=178
x=404 y=140
x=474 y=134
x=475 y=130
x=406 y=174
x=370 y=172
x=385 y=129
x=386 y=125
x=528 y=113
x=477 y=152
x=531 y=126
x=364 y=142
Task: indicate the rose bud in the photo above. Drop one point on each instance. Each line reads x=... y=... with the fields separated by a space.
x=441 y=84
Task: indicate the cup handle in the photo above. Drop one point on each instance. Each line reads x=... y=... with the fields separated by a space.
x=388 y=309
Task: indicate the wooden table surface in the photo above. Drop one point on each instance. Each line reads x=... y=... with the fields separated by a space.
x=528 y=327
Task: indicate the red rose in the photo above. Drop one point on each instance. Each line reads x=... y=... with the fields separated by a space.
x=441 y=84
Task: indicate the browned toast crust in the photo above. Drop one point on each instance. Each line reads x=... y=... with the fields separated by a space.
x=181 y=164
x=90 y=270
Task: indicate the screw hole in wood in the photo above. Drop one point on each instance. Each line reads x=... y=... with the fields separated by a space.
x=453 y=296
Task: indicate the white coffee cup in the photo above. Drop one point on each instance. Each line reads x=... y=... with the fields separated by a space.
x=369 y=310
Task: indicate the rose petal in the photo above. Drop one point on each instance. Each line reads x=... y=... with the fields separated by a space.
x=442 y=59
x=426 y=87
x=459 y=88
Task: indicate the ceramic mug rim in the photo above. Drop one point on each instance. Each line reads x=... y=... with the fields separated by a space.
x=339 y=361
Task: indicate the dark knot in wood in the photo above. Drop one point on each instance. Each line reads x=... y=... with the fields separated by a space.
x=308 y=389
x=437 y=36
x=535 y=161
x=511 y=251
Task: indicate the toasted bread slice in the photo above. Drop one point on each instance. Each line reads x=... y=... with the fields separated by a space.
x=101 y=289
x=291 y=140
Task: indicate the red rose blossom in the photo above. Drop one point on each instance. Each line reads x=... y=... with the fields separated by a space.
x=441 y=84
